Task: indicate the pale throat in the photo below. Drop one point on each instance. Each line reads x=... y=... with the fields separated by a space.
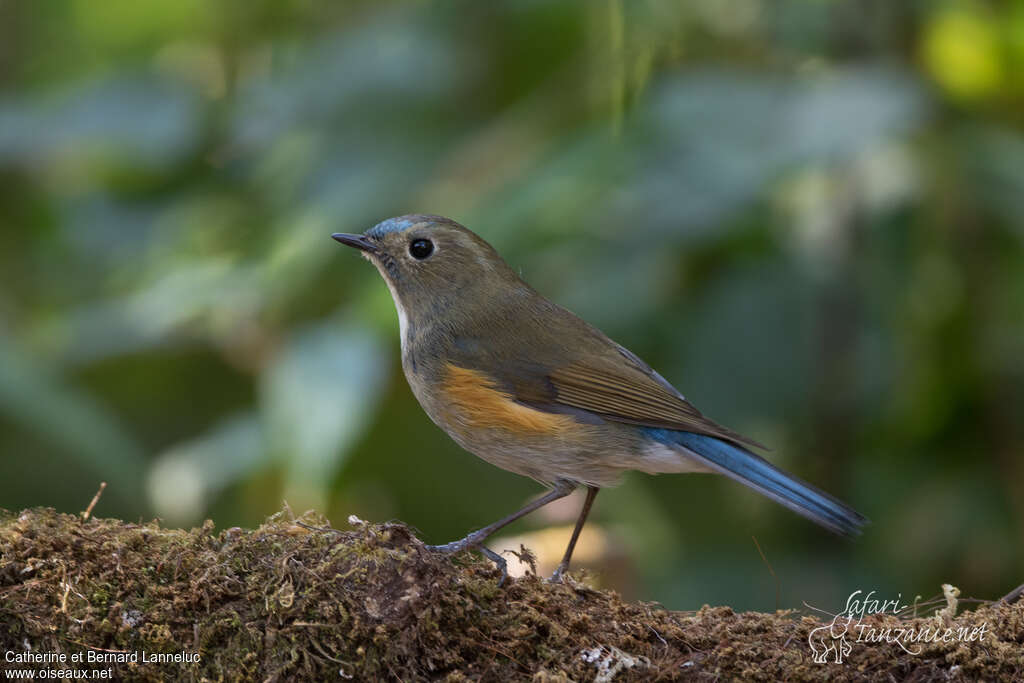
x=403 y=319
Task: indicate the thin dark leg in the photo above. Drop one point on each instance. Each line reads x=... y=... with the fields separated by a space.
x=1014 y=595
x=563 y=566
x=562 y=489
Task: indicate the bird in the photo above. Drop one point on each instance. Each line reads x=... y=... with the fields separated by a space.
x=528 y=386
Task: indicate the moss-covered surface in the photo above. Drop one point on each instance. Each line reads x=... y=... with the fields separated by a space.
x=286 y=602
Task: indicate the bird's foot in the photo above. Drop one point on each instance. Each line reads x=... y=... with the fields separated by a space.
x=558 y=574
x=499 y=561
x=464 y=544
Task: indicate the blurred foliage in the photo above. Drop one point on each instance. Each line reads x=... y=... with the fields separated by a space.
x=808 y=215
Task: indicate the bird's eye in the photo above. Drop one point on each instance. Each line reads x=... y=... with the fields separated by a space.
x=421 y=249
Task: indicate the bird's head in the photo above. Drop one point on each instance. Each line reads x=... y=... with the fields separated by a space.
x=433 y=266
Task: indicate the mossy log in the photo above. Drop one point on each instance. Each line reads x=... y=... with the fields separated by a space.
x=297 y=600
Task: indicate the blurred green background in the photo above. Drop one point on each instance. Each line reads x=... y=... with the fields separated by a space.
x=808 y=215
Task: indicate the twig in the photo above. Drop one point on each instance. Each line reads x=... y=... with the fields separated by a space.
x=98 y=649
x=771 y=571
x=324 y=529
x=92 y=504
x=66 y=585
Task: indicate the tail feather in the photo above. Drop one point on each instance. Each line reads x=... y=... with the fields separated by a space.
x=759 y=474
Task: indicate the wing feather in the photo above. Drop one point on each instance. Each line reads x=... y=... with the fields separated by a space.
x=635 y=395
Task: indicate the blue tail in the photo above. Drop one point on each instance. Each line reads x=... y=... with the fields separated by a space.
x=757 y=473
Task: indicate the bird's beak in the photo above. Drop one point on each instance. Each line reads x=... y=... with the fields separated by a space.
x=360 y=242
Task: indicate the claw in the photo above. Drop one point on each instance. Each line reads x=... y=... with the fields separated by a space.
x=498 y=560
x=556 y=576
x=459 y=546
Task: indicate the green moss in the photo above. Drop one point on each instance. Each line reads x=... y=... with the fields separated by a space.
x=288 y=601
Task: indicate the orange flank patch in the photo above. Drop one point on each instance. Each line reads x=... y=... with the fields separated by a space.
x=477 y=402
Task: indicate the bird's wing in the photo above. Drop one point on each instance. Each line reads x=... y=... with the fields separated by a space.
x=558 y=363
x=625 y=395
x=616 y=387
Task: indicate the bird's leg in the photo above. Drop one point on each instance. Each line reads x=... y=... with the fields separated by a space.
x=562 y=489
x=563 y=566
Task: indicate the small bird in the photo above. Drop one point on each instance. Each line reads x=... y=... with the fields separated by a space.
x=528 y=386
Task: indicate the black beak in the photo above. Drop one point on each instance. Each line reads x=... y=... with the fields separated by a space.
x=360 y=242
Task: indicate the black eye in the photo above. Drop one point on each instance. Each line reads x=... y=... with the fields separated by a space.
x=421 y=248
